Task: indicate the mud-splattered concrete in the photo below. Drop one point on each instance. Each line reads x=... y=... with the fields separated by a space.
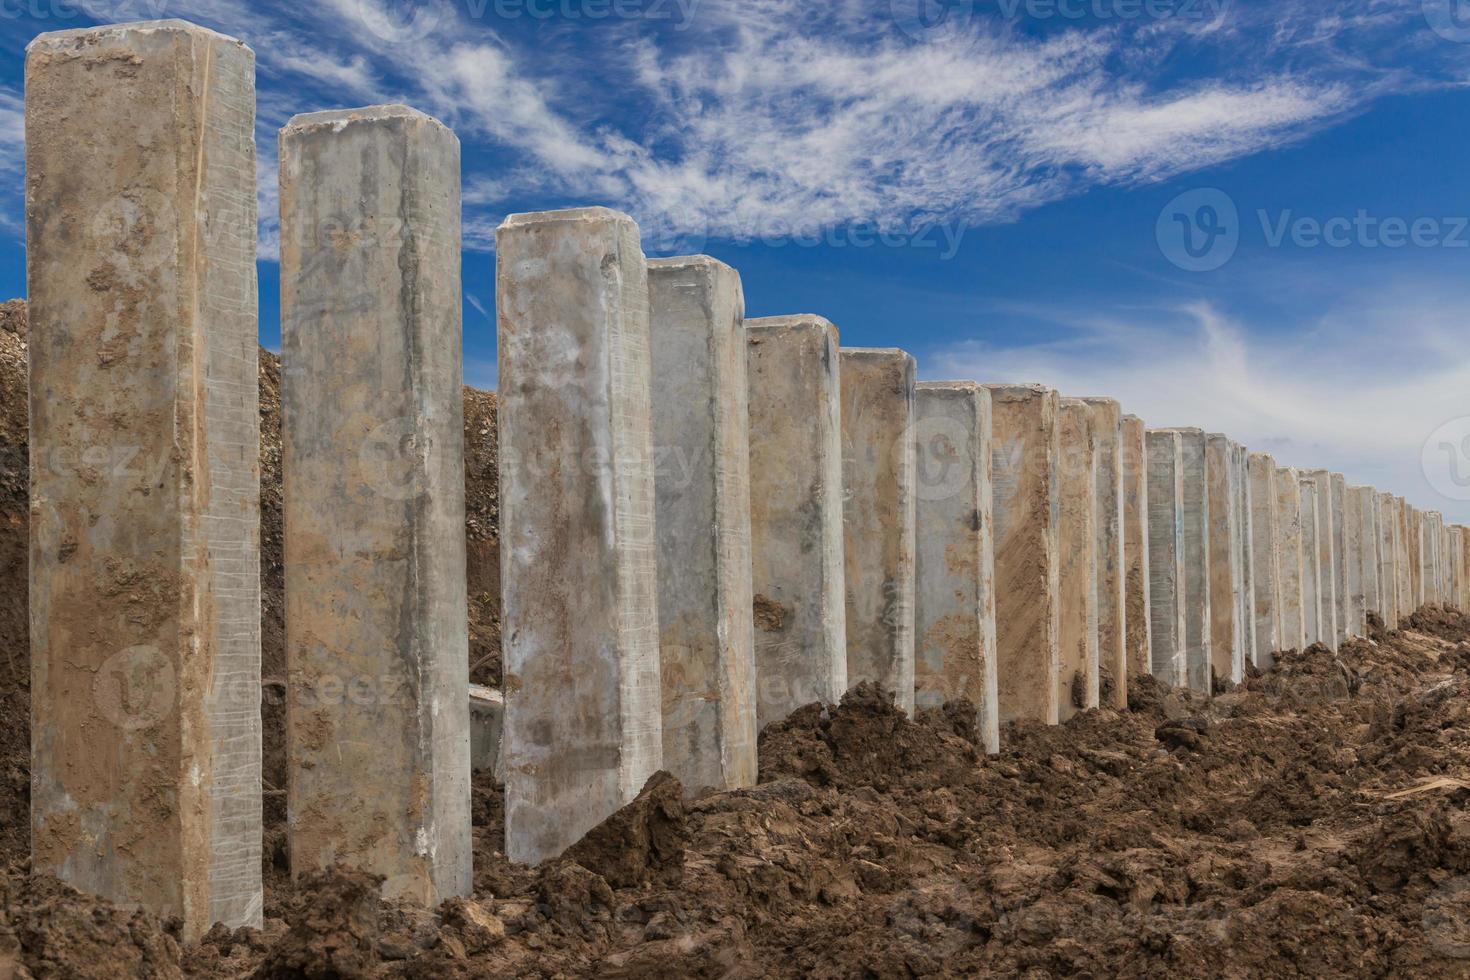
x=145 y=528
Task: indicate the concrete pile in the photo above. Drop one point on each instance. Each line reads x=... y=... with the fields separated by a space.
x=707 y=522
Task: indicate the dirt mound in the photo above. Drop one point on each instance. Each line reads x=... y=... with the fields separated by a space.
x=48 y=929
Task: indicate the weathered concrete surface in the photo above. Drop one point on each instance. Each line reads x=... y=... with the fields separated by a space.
x=1024 y=482
x=1414 y=518
x=1326 y=542
x=1245 y=567
x=1457 y=565
x=1342 y=575
x=1314 y=611
x=1077 y=539
x=144 y=506
x=878 y=518
x=1247 y=516
x=1292 y=558
x=1226 y=647
x=583 y=723
x=1403 y=555
x=1167 y=581
x=487 y=721
x=1442 y=559
x=1112 y=607
x=702 y=518
x=1265 y=557
x=1198 y=618
x=372 y=454
x=955 y=555
x=796 y=514
x=1462 y=551
x=1362 y=564
x=1429 y=556
x=1387 y=561
x=1138 y=611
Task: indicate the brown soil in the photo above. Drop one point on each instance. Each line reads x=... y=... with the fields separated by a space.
x=1312 y=821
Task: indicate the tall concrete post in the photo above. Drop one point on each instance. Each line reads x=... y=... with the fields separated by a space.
x=1197 y=614
x=1414 y=519
x=1326 y=542
x=1226 y=648
x=700 y=414
x=796 y=514
x=1265 y=552
x=1292 y=556
x=144 y=469
x=1245 y=520
x=1077 y=539
x=1343 y=575
x=1387 y=563
x=878 y=518
x=1316 y=616
x=1463 y=553
x=1429 y=556
x=1112 y=608
x=1450 y=574
x=1442 y=557
x=1403 y=559
x=372 y=453
x=1137 y=607
x=1167 y=579
x=954 y=561
x=583 y=721
x=1363 y=545
x=1024 y=479
x=1462 y=568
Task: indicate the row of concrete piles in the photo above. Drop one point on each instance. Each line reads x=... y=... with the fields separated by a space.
x=707 y=522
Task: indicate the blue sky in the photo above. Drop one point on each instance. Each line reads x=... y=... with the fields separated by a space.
x=1003 y=187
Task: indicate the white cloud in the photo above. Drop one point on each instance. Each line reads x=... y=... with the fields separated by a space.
x=1359 y=392
x=750 y=117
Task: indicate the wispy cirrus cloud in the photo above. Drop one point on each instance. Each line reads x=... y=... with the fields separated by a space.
x=738 y=118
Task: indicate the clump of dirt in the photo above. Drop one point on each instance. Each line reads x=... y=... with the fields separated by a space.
x=334 y=925
x=644 y=841
x=48 y=929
